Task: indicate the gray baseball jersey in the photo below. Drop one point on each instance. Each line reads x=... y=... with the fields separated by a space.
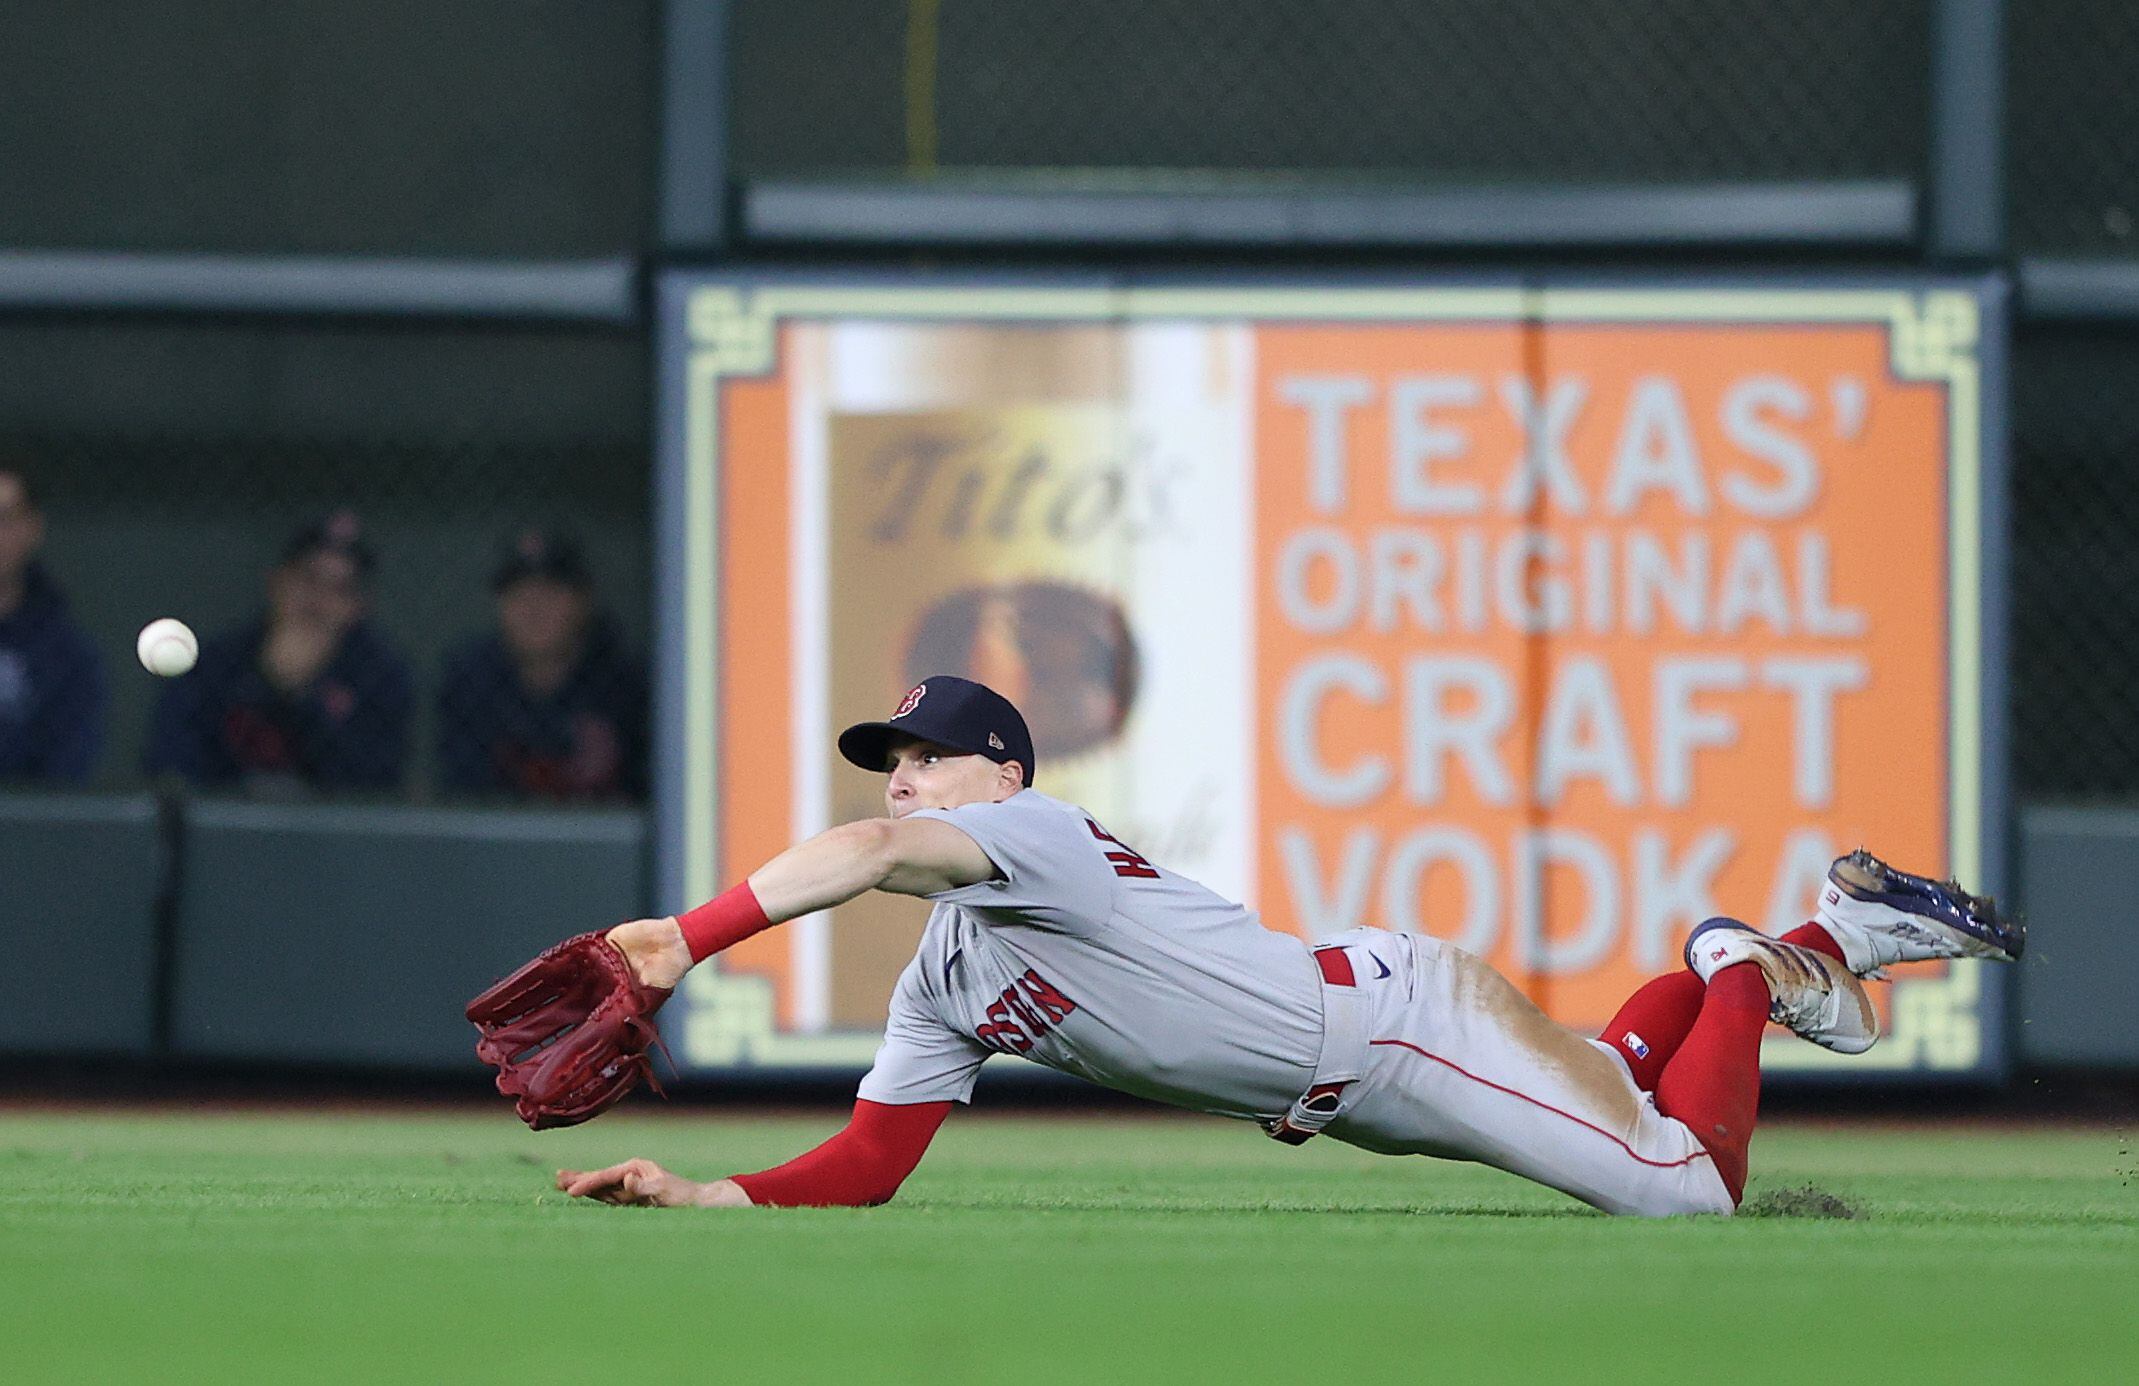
x=1087 y=958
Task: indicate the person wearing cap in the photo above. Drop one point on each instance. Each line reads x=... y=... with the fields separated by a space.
x=52 y=691
x=1054 y=940
x=307 y=697
x=549 y=705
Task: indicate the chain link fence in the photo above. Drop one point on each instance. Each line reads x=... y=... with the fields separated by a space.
x=441 y=602
x=1461 y=89
x=178 y=462
x=2072 y=163
x=404 y=127
x=2072 y=156
x=2075 y=569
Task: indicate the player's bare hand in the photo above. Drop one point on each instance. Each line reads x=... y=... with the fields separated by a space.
x=655 y=949
x=635 y=1184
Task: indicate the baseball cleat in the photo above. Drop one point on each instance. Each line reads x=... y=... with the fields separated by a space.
x=1880 y=915
x=1816 y=997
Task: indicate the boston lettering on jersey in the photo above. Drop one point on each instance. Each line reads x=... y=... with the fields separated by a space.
x=1015 y=1021
x=1126 y=861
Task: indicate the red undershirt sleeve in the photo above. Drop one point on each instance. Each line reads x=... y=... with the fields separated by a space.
x=860 y=1167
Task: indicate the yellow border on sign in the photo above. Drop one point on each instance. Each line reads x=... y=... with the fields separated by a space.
x=733 y=332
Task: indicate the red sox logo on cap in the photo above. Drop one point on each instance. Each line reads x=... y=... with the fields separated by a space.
x=911 y=701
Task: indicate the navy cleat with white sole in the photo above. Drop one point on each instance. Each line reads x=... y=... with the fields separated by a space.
x=1817 y=997
x=1879 y=915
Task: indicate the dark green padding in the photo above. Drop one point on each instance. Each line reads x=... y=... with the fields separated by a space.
x=2077 y=866
x=355 y=935
x=77 y=882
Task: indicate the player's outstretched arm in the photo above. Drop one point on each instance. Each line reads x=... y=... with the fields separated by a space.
x=908 y=856
x=862 y=1166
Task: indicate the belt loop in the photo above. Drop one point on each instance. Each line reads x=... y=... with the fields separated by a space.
x=1343 y=1055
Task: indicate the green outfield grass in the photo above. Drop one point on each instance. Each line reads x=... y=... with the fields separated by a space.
x=390 y=1247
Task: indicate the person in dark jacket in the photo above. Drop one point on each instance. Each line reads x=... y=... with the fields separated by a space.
x=549 y=706
x=308 y=697
x=52 y=690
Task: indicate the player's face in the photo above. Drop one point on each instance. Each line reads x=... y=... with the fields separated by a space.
x=923 y=775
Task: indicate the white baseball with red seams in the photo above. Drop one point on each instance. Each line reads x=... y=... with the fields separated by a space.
x=1084 y=956
x=167 y=647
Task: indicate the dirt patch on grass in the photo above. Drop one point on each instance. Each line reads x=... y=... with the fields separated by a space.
x=1804 y=1201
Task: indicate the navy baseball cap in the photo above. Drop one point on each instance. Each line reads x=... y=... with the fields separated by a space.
x=542 y=553
x=340 y=533
x=950 y=711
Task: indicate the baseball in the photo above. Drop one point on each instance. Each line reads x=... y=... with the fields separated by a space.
x=167 y=647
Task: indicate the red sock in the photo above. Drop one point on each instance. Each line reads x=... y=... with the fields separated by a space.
x=1713 y=1083
x=1809 y=935
x=1653 y=1023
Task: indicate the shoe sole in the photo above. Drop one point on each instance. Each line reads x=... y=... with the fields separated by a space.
x=1982 y=931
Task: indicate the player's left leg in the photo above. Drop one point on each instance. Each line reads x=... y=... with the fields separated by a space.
x=1650 y=1025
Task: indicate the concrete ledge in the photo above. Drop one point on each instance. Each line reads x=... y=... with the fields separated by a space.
x=1109 y=211
x=589 y=291
x=2080 y=290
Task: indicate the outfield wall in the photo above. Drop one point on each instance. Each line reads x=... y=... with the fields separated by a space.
x=213 y=330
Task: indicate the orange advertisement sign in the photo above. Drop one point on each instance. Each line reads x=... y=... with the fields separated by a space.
x=1559 y=659
x=1549 y=622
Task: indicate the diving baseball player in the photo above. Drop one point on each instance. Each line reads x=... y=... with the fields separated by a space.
x=1052 y=939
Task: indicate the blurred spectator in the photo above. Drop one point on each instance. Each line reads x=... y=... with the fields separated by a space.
x=52 y=693
x=550 y=706
x=306 y=697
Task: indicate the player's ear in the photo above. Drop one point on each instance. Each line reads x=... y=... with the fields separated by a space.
x=1009 y=777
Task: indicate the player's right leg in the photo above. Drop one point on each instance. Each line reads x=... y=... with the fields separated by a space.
x=1870 y=914
x=1880 y=915
x=1693 y=1038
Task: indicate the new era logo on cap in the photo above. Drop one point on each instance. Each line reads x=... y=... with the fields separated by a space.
x=995 y=742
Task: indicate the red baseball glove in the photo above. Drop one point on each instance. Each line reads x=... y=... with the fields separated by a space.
x=569 y=1032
